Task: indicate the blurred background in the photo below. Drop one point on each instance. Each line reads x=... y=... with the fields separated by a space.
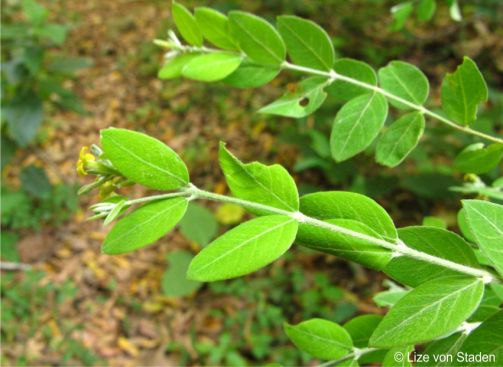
x=71 y=68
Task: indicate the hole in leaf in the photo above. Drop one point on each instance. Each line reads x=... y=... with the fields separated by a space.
x=304 y=102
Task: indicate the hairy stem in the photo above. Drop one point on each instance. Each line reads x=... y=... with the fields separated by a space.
x=335 y=76
x=398 y=248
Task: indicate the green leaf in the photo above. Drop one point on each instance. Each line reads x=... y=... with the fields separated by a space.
x=244 y=249
x=431 y=310
x=55 y=32
x=144 y=226
x=215 y=28
x=477 y=159
x=431 y=221
x=400 y=139
x=401 y=13
x=426 y=10
x=349 y=363
x=306 y=42
x=8 y=248
x=434 y=241
x=120 y=207
x=349 y=205
x=361 y=328
x=464 y=227
x=486 y=223
x=172 y=68
x=308 y=97
x=251 y=75
x=199 y=224
x=34 y=11
x=437 y=349
x=268 y=185
x=35 y=182
x=320 y=338
x=258 y=39
x=186 y=24
x=398 y=356
x=24 y=115
x=389 y=298
x=174 y=281
x=33 y=58
x=357 y=124
x=489 y=305
x=144 y=160
x=349 y=247
x=454 y=10
x=487 y=340
x=354 y=69
x=211 y=67
x=463 y=91
x=69 y=65
x=405 y=81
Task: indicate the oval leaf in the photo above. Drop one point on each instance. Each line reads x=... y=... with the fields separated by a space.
x=199 y=224
x=258 y=39
x=268 y=185
x=244 y=249
x=308 y=97
x=400 y=139
x=144 y=226
x=343 y=245
x=143 y=159
x=357 y=124
x=486 y=223
x=186 y=24
x=322 y=339
x=306 y=42
x=349 y=205
x=174 y=281
x=432 y=310
x=434 y=241
x=477 y=159
x=252 y=75
x=426 y=10
x=354 y=69
x=391 y=360
x=361 y=328
x=211 y=67
x=487 y=340
x=215 y=28
x=173 y=67
x=405 y=81
x=463 y=91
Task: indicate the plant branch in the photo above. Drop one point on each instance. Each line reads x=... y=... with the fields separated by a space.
x=399 y=248
x=335 y=76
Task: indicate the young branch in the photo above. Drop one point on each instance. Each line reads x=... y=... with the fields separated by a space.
x=333 y=76
x=399 y=247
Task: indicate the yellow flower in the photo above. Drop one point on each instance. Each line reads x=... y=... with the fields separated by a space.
x=84 y=158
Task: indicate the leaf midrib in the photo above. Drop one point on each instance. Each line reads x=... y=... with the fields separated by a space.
x=257 y=42
x=301 y=40
x=358 y=121
x=123 y=148
x=237 y=247
x=439 y=301
x=330 y=341
x=140 y=224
